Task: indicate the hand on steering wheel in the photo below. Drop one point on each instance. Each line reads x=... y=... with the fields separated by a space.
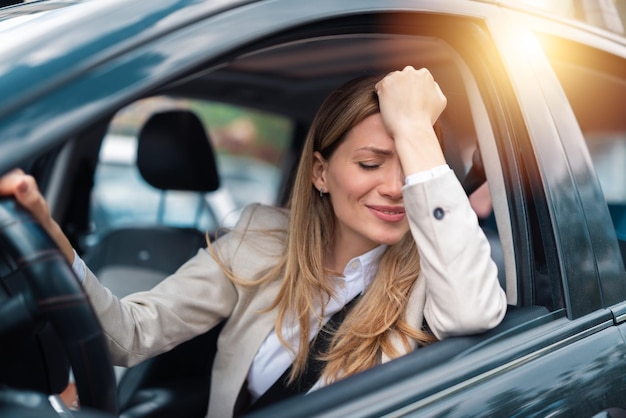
x=53 y=292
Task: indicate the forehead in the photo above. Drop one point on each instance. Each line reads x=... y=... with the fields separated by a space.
x=370 y=132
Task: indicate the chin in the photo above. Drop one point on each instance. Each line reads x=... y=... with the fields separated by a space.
x=391 y=237
x=390 y=240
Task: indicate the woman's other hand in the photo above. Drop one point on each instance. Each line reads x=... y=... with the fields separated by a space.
x=410 y=103
x=25 y=190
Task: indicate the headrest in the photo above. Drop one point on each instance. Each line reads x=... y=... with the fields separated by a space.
x=174 y=153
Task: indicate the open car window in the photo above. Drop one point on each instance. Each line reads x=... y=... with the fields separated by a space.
x=466 y=123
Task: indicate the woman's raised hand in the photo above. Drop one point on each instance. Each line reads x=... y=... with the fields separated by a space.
x=409 y=97
x=25 y=190
x=410 y=103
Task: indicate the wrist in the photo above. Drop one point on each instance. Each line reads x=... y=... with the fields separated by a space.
x=57 y=235
x=411 y=128
x=419 y=151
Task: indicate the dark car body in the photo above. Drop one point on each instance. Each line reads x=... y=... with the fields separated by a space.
x=540 y=97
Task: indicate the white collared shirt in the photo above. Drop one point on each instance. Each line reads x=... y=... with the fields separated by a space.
x=273 y=358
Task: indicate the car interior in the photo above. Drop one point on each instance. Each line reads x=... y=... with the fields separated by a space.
x=287 y=76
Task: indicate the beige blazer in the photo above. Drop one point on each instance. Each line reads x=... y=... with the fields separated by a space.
x=457 y=291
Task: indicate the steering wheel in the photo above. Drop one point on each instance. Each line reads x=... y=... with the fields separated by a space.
x=53 y=292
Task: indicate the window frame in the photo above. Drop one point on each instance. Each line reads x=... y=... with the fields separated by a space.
x=612 y=278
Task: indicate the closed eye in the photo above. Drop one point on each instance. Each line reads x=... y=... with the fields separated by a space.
x=369 y=166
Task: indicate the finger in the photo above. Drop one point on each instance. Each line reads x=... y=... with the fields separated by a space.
x=440 y=93
x=426 y=72
x=382 y=81
x=27 y=193
x=10 y=182
x=24 y=188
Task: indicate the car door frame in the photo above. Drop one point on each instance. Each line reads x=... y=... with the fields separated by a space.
x=510 y=111
x=523 y=112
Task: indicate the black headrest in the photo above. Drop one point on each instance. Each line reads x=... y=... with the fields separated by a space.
x=174 y=153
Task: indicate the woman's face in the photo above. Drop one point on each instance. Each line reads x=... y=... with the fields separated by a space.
x=364 y=179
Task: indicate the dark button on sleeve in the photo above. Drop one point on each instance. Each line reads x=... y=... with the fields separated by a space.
x=438 y=213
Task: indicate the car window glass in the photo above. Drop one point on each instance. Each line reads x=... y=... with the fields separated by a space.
x=595 y=85
x=248 y=145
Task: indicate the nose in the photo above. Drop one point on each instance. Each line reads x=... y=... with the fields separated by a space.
x=391 y=187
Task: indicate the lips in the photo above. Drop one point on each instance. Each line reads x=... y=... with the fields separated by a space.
x=388 y=213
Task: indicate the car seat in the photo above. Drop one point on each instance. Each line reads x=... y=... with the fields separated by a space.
x=173 y=153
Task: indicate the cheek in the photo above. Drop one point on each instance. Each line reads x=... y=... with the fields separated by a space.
x=352 y=185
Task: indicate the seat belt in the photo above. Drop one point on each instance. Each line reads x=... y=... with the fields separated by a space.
x=280 y=389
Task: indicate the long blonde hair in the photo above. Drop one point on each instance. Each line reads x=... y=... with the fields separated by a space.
x=306 y=284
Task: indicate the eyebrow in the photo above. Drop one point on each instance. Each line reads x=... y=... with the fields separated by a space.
x=375 y=150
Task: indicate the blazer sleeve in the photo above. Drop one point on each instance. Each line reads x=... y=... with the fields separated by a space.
x=194 y=299
x=463 y=294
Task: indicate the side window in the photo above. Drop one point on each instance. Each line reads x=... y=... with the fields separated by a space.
x=595 y=85
x=249 y=148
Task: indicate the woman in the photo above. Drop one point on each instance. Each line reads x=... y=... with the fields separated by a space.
x=375 y=211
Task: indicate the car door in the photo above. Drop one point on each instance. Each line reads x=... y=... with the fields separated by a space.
x=579 y=370
x=559 y=248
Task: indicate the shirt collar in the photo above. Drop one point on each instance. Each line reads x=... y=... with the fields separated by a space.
x=364 y=267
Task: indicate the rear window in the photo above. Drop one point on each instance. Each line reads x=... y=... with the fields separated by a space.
x=249 y=148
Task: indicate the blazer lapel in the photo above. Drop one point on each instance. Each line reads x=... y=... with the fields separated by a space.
x=240 y=339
